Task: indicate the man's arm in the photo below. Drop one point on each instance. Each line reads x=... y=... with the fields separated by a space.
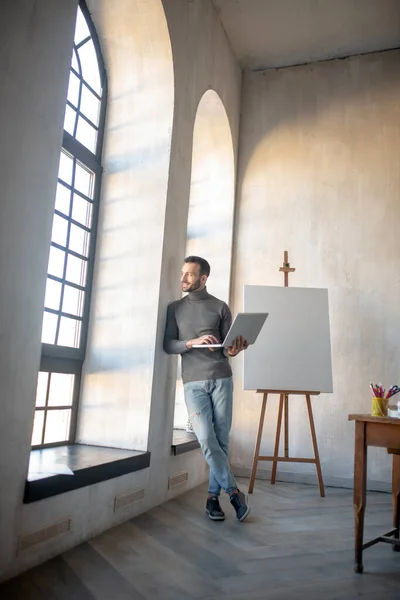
x=226 y=321
x=172 y=343
x=225 y=325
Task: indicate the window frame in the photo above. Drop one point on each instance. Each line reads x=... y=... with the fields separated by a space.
x=65 y=359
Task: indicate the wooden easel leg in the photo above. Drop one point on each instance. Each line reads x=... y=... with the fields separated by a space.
x=258 y=443
x=277 y=438
x=315 y=446
x=286 y=427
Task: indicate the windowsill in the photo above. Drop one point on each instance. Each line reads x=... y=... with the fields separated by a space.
x=88 y=464
x=183 y=442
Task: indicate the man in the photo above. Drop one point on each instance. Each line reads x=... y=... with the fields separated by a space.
x=200 y=318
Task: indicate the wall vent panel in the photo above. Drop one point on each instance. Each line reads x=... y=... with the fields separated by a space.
x=127 y=499
x=178 y=479
x=42 y=535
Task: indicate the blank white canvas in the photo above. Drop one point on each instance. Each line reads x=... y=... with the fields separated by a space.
x=293 y=350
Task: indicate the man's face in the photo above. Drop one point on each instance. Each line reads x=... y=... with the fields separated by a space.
x=190 y=278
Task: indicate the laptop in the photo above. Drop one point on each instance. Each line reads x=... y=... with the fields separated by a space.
x=248 y=325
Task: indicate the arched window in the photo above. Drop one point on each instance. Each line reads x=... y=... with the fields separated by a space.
x=73 y=239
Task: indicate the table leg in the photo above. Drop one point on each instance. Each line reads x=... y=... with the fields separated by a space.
x=360 y=496
x=396 y=497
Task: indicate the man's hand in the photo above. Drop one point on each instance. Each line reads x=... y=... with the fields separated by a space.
x=204 y=340
x=238 y=345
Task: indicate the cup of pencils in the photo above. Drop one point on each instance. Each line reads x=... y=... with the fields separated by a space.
x=380 y=399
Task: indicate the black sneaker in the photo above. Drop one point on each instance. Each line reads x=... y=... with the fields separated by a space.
x=238 y=501
x=213 y=509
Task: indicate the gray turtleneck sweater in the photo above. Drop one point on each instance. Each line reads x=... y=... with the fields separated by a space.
x=195 y=315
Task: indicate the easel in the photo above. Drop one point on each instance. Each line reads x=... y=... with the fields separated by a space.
x=284 y=409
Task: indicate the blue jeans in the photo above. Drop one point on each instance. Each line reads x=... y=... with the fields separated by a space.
x=209 y=404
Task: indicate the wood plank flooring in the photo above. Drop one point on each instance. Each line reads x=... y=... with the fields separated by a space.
x=294 y=545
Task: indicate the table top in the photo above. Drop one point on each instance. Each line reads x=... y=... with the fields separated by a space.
x=370 y=419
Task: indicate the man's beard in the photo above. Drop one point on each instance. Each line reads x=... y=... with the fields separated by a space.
x=194 y=287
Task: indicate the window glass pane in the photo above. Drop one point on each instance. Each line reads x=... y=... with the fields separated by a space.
x=61 y=389
x=49 y=328
x=90 y=105
x=56 y=262
x=76 y=270
x=57 y=426
x=90 y=68
x=79 y=240
x=69 y=120
x=41 y=389
x=74 y=61
x=73 y=89
x=69 y=334
x=53 y=294
x=84 y=180
x=82 y=210
x=86 y=134
x=65 y=168
x=73 y=301
x=81 y=27
x=37 y=427
x=60 y=230
x=52 y=423
x=63 y=197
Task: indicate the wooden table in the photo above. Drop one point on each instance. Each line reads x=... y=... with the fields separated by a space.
x=383 y=432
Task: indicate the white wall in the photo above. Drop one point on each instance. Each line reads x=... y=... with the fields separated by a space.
x=37 y=47
x=35 y=54
x=319 y=176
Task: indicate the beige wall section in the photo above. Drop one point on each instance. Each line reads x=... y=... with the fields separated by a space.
x=319 y=176
x=35 y=53
x=38 y=48
x=211 y=207
x=212 y=193
x=116 y=391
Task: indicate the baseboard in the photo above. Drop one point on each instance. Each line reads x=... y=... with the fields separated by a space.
x=286 y=476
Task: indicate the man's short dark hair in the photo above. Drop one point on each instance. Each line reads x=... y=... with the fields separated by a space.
x=203 y=264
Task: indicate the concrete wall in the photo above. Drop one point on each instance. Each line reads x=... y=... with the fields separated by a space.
x=319 y=176
x=35 y=55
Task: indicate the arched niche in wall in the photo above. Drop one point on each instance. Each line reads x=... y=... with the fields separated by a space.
x=118 y=371
x=211 y=205
x=212 y=192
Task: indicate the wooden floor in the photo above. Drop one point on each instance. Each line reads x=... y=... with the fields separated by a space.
x=293 y=546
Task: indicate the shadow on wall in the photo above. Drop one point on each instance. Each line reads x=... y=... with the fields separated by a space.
x=314 y=90
x=300 y=127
